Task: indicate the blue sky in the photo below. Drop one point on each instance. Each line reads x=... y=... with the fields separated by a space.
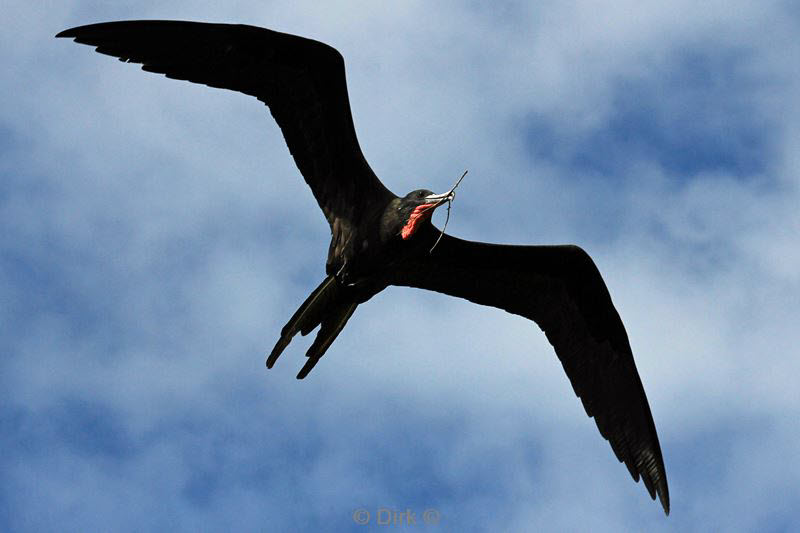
x=156 y=237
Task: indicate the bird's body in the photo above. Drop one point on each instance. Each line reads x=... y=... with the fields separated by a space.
x=379 y=239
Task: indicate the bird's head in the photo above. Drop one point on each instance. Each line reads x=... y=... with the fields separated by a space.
x=405 y=216
x=417 y=207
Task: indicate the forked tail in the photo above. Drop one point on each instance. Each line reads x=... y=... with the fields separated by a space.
x=328 y=306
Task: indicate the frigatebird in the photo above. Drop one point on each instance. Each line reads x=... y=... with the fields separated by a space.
x=379 y=239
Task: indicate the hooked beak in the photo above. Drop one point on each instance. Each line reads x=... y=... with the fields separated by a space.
x=439 y=199
x=435 y=200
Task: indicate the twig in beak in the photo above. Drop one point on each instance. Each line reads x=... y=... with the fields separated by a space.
x=449 y=201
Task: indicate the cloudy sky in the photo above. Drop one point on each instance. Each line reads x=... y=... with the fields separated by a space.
x=156 y=236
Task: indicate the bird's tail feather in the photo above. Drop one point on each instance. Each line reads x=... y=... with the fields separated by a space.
x=327 y=306
x=331 y=326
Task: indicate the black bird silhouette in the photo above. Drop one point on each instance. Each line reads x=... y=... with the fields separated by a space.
x=379 y=239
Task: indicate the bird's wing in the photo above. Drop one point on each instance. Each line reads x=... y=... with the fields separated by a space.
x=559 y=288
x=301 y=80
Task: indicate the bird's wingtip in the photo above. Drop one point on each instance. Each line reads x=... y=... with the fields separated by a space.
x=664 y=498
x=85 y=29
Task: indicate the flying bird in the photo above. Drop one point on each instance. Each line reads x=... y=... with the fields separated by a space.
x=380 y=239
